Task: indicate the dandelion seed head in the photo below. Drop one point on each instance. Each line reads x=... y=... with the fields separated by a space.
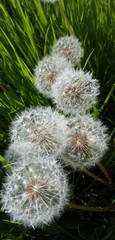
x=74 y=91
x=36 y=198
x=47 y=71
x=69 y=47
x=87 y=142
x=41 y=128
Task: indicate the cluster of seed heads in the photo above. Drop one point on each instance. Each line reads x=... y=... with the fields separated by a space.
x=43 y=139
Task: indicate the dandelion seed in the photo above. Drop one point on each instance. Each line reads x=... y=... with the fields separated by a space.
x=79 y=143
x=87 y=142
x=36 y=194
x=47 y=71
x=69 y=47
x=75 y=92
x=42 y=129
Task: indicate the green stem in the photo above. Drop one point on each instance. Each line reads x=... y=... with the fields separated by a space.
x=69 y=27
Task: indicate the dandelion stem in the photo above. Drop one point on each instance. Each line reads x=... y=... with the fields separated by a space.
x=3 y=89
x=91 y=209
x=69 y=27
x=102 y=168
x=94 y=176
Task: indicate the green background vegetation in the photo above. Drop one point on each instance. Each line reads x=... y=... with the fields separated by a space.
x=28 y=30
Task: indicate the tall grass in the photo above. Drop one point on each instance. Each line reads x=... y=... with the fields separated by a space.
x=28 y=30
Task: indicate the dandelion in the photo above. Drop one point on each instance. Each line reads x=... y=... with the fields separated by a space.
x=47 y=71
x=42 y=128
x=87 y=142
x=75 y=92
x=69 y=47
x=36 y=194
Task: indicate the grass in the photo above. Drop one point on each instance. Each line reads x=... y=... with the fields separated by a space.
x=28 y=30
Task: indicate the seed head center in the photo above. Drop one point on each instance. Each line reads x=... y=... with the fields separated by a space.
x=51 y=76
x=36 y=188
x=79 y=143
x=38 y=134
x=73 y=92
x=66 y=52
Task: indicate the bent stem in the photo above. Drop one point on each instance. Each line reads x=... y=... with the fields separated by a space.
x=69 y=27
x=94 y=176
x=91 y=209
x=102 y=168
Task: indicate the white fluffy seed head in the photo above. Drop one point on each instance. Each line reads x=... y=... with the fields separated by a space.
x=74 y=91
x=87 y=142
x=41 y=128
x=47 y=71
x=69 y=47
x=36 y=194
